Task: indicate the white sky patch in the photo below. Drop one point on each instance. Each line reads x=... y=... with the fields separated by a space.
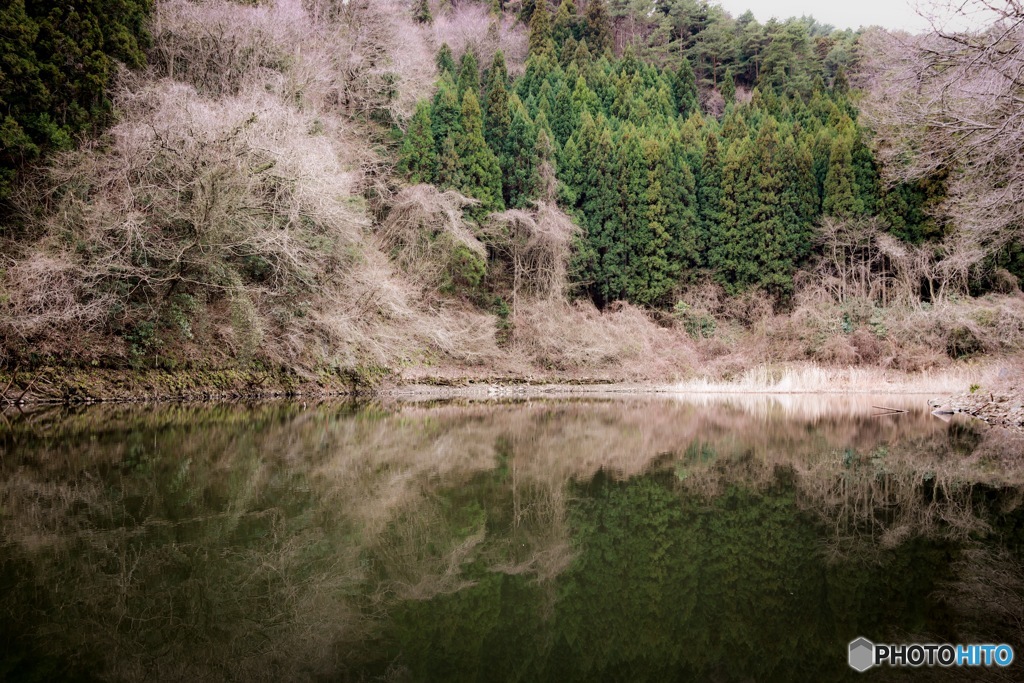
x=890 y=14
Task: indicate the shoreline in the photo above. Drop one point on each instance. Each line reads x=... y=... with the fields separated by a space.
x=71 y=386
x=998 y=404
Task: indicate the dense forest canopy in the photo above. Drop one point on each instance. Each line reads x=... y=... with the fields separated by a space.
x=685 y=142
x=56 y=62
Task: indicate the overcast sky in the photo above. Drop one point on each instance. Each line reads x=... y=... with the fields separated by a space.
x=892 y=14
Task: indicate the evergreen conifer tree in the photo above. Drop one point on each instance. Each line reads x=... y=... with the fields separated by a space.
x=728 y=87
x=469 y=74
x=480 y=173
x=684 y=88
x=497 y=113
x=449 y=166
x=841 y=184
x=566 y=24
x=446 y=62
x=541 y=42
x=418 y=156
x=598 y=29
x=709 y=197
x=519 y=162
x=445 y=114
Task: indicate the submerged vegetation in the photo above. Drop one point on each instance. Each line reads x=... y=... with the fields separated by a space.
x=600 y=189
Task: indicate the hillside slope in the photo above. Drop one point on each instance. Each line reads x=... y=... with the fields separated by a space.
x=244 y=215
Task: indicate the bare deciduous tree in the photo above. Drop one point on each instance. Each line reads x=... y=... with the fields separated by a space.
x=953 y=101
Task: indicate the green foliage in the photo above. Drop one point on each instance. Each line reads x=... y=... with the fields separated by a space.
x=697 y=325
x=445 y=115
x=421 y=12
x=56 y=62
x=497 y=114
x=540 y=30
x=142 y=340
x=446 y=62
x=597 y=31
x=518 y=160
x=840 y=196
x=567 y=25
x=469 y=73
x=480 y=174
x=464 y=272
x=418 y=156
x=661 y=189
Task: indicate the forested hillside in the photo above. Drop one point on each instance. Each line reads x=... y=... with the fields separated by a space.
x=710 y=149
x=601 y=189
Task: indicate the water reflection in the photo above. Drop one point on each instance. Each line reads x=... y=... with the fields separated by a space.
x=723 y=538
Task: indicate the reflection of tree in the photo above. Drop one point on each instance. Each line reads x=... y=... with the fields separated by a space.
x=451 y=542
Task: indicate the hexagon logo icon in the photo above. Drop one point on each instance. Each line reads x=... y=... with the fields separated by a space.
x=862 y=654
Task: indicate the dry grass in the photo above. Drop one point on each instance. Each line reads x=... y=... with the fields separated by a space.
x=622 y=342
x=813 y=379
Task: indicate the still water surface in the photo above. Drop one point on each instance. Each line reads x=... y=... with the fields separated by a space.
x=641 y=539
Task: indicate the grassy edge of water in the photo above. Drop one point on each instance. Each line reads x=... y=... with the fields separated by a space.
x=52 y=384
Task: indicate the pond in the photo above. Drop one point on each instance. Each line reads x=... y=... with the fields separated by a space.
x=707 y=538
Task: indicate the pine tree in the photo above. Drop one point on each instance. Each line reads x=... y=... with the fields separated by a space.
x=729 y=250
x=544 y=101
x=527 y=9
x=445 y=114
x=418 y=156
x=709 y=197
x=541 y=42
x=548 y=187
x=866 y=174
x=480 y=173
x=840 y=84
x=566 y=25
x=469 y=74
x=519 y=162
x=598 y=29
x=595 y=185
x=800 y=208
x=584 y=99
x=446 y=62
x=679 y=188
x=497 y=115
x=565 y=118
x=449 y=166
x=728 y=87
x=840 y=184
x=764 y=257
